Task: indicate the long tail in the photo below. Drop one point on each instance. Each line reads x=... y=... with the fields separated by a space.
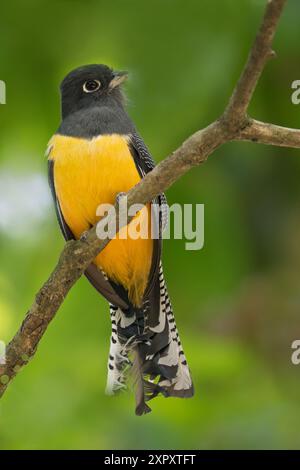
x=148 y=353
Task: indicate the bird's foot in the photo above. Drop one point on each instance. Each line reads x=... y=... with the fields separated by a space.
x=84 y=236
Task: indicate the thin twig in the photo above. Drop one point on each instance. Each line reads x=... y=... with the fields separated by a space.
x=265 y=133
x=260 y=52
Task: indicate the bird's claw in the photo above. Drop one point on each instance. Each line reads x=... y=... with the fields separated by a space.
x=84 y=236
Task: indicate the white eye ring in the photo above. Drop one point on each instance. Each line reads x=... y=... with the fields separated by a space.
x=90 y=86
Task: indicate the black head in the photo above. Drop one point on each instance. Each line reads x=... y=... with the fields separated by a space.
x=90 y=85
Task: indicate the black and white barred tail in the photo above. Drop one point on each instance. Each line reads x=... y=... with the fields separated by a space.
x=149 y=356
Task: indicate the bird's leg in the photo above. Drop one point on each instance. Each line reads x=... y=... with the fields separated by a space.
x=84 y=236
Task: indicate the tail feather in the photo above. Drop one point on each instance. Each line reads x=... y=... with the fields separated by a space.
x=118 y=360
x=152 y=355
x=137 y=372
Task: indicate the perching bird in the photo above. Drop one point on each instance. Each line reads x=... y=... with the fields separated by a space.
x=95 y=155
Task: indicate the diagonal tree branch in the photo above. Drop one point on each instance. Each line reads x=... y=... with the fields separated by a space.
x=260 y=52
x=76 y=256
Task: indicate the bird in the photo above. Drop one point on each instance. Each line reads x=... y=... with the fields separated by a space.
x=95 y=156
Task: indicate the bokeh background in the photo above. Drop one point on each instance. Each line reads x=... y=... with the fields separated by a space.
x=237 y=301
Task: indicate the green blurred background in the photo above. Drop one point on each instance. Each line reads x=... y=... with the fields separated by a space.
x=237 y=301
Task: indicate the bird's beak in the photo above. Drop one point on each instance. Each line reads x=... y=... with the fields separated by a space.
x=118 y=79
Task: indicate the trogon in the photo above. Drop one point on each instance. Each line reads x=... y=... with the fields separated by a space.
x=95 y=155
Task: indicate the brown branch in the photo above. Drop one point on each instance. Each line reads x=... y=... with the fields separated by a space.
x=260 y=52
x=265 y=133
x=77 y=255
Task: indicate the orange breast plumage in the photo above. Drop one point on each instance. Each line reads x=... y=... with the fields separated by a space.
x=91 y=172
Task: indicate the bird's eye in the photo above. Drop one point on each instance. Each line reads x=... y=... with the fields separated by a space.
x=91 y=85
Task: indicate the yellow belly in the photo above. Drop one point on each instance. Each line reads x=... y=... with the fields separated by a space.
x=92 y=172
